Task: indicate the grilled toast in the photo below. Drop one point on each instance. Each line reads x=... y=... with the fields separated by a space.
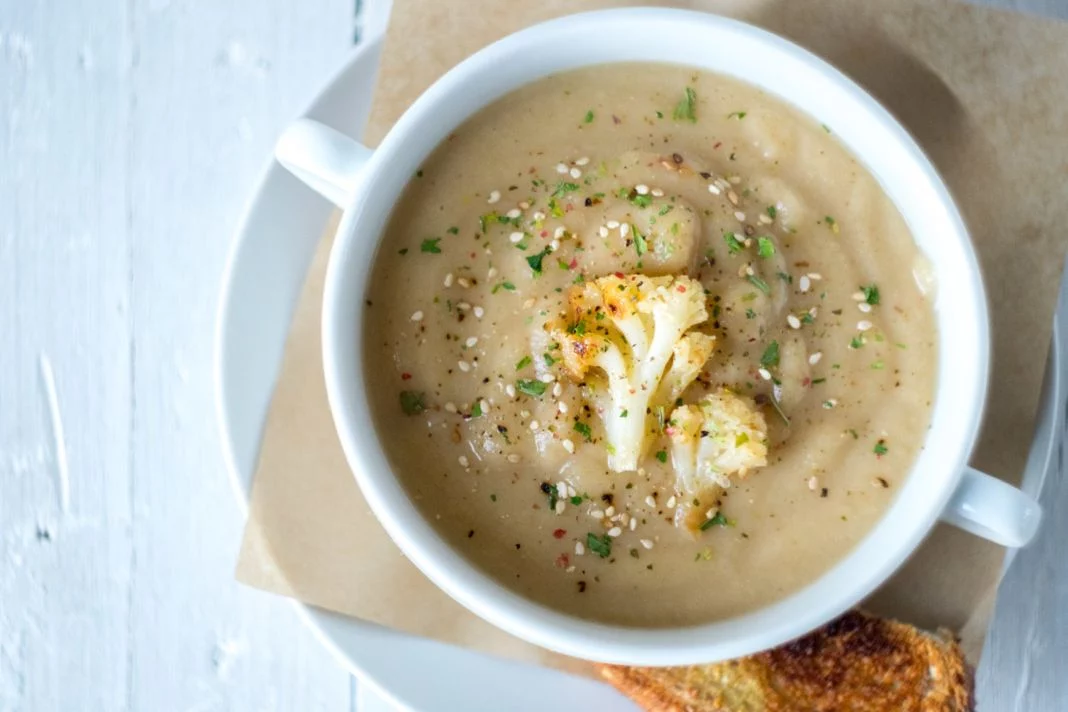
x=858 y=663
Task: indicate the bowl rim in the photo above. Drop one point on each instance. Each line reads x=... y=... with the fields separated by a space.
x=838 y=589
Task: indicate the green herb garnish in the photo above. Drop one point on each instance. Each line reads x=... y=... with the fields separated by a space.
x=430 y=245
x=503 y=285
x=589 y=117
x=759 y=283
x=772 y=211
x=412 y=402
x=770 y=358
x=530 y=387
x=734 y=245
x=880 y=448
x=641 y=245
x=523 y=363
x=661 y=455
x=871 y=294
x=453 y=231
x=535 y=260
x=717 y=521
x=600 y=545
x=564 y=187
x=736 y=115
x=686 y=109
x=765 y=247
x=582 y=429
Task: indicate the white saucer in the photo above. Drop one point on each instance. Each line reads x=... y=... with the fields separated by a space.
x=275 y=243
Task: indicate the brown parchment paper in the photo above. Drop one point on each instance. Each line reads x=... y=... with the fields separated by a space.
x=986 y=95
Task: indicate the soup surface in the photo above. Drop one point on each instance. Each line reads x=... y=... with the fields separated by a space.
x=813 y=292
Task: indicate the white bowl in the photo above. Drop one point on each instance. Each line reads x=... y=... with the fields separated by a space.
x=367 y=184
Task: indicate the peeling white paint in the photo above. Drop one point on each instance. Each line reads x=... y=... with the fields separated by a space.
x=60 y=467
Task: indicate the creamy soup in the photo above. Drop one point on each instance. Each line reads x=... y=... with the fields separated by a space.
x=495 y=279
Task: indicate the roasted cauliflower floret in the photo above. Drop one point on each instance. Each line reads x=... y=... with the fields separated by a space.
x=721 y=438
x=633 y=329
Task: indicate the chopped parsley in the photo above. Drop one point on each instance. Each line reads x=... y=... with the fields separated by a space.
x=431 y=245
x=765 y=247
x=770 y=356
x=486 y=220
x=523 y=363
x=402 y=251
x=564 y=187
x=734 y=245
x=661 y=455
x=453 y=231
x=412 y=402
x=589 y=117
x=736 y=115
x=530 y=387
x=871 y=294
x=759 y=283
x=582 y=429
x=832 y=223
x=641 y=245
x=772 y=211
x=503 y=285
x=600 y=545
x=549 y=360
x=717 y=521
x=686 y=109
x=880 y=448
x=535 y=260
x=750 y=314
x=476 y=411
x=642 y=201
x=856 y=342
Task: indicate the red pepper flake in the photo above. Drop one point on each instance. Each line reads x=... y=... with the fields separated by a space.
x=619 y=275
x=681 y=289
x=717 y=144
x=559 y=533
x=544 y=233
x=806 y=382
x=572 y=264
x=406 y=376
x=562 y=561
x=615 y=120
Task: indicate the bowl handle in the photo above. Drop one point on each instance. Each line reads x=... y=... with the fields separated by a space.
x=992 y=509
x=326 y=159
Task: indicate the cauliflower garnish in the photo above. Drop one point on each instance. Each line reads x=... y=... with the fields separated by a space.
x=724 y=436
x=634 y=328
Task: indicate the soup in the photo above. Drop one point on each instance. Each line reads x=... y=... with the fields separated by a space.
x=649 y=346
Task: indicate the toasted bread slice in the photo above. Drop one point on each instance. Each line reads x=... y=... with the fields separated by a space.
x=858 y=663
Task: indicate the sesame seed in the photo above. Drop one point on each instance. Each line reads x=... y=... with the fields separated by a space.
x=546 y=378
x=534 y=425
x=813 y=483
x=509 y=390
x=641 y=189
x=561 y=489
x=610 y=512
x=491 y=273
x=494 y=196
x=513 y=458
x=464 y=282
x=524 y=205
x=561 y=168
x=558 y=233
x=569 y=445
x=561 y=505
x=538 y=215
x=765 y=374
x=524 y=413
x=450 y=407
x=656 y=192
x=857 y=296
x=463 y=461
x=575 y=173
x=633 y=524
x=579 y=548
x=602 y=231
x=562 y=407
x=463 y=306
x=830 y=403
x=815 y=276
x=813 y=359
x=713 y=189
x=514 y=213
x=764 y=220
x=464 y=366
x=528 y=304
x=471 y=341
x=515 y=237
x=864 y=307
x=647 y=543
x=614 y=532
x=612 y=224
x=582 y=161
x=448 y=280
x=735 y=179
x=554 y=245
x=733 y=197
x=749 y=270
x=596 y=514
x=417 y=316
x=650 y=501
x=793 y=321
x=479 y=312
x=624 y=229
x=739 y=216
x=558 y=390
x=484 y=406
x=804 y=283
x=671 y=502
x=863 y=325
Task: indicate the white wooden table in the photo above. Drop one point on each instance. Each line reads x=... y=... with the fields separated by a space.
x=130 y=134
